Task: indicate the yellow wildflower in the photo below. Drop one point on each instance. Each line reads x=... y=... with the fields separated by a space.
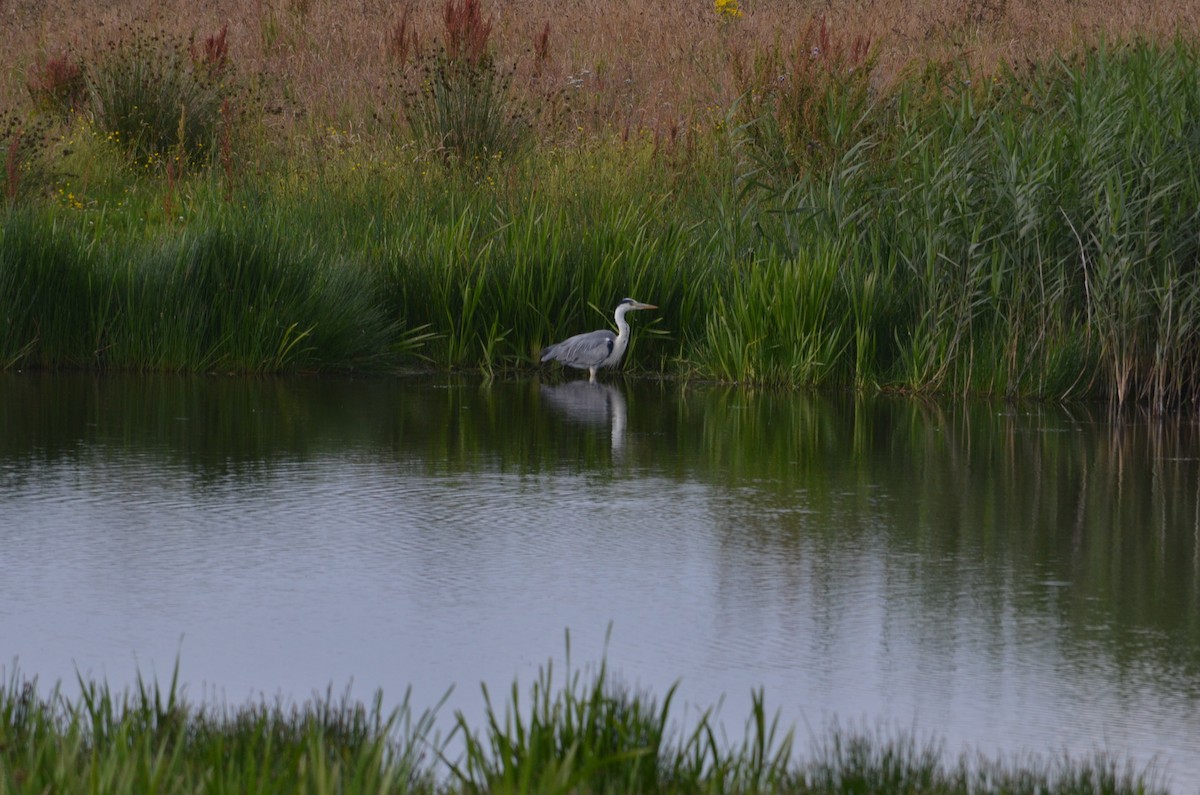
x=727 y=9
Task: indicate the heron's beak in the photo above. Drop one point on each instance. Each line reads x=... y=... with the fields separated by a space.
x=645 y=306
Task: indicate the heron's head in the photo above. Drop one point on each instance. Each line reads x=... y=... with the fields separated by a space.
x=629 y=303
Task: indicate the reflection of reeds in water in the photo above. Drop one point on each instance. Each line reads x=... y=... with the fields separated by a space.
x=584 y=735
x=1047 y=493
x=1044 y=494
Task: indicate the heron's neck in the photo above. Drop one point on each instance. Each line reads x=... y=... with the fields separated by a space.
x=622 y=326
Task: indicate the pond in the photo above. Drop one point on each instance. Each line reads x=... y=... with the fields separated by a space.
x=1007 y=579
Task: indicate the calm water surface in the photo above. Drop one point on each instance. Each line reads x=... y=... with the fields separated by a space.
x=1009 y=580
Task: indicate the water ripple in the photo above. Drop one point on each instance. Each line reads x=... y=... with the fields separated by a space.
x=878 y=583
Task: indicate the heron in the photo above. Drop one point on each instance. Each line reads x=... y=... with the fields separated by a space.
x=596 y=349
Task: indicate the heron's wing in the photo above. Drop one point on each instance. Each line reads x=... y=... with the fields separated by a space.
x=582 y=350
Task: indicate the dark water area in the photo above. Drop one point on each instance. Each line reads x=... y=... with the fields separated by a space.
x=1008 y=579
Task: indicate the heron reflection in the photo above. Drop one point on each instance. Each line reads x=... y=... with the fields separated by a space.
x=590 y=403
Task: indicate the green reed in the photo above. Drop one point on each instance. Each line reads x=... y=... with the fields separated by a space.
x=150 y=739
x=1033 y=228
x=1029 y=233
x=497 y=271
x=47 y=303
x=780 y=321
x=232 y=296
x=584 y=736
x=588 y=735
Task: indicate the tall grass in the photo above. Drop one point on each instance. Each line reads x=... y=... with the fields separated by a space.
x=501 y=276
x=1033 y=228
x=1020 y=233
x=48 y=305
x=159 y=96
x=584 y=736
x=236 y=296
x=780 y=321
x=150 y=739
x=640 y=65
x=23 y=145
x=460 y=103
x=588 y=735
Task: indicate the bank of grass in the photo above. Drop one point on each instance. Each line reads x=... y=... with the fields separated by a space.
x=233 y=296
x=1026 y=232
x=583 y=735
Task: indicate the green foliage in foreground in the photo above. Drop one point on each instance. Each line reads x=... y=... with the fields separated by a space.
x=1032 y=234
x=150 y=740
x=585 y=736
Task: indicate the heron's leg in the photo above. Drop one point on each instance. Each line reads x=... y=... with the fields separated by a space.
x=591 y=375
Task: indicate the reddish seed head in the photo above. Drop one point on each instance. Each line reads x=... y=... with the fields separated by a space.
x=467 y=31
x=213 y=54
x=403 y=43
x=58 y=79
x=541 y=45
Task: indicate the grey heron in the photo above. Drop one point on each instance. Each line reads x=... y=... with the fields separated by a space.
x=596 y=349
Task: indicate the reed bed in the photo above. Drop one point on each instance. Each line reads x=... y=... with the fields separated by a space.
x=232 y=297
x=825 y=205
x=586 y=735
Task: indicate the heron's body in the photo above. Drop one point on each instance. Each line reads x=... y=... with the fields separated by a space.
x=596 y=349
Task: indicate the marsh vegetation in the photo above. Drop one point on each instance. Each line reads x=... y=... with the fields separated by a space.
x=585 y=734
x=984 y=198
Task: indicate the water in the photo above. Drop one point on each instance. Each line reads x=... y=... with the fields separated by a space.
x=1006 y=580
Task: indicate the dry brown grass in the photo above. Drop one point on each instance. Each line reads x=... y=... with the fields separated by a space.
x=628 y=65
